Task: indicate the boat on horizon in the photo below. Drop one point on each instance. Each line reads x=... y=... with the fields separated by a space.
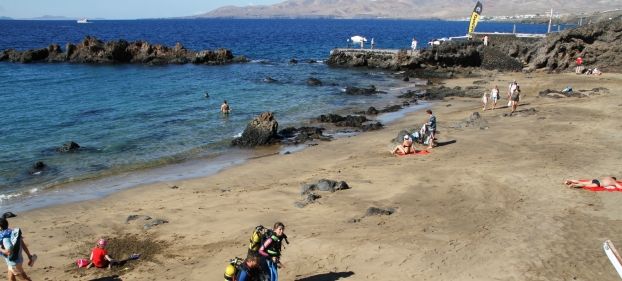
x=84 y=20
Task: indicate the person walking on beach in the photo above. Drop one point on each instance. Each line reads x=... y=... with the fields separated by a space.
x=484 y=100
x=431 y=128
x=511 y=89
x=249 y=269
x=12 y=246
x=271 y=250
x=224 y=108
x=413 y=45
x=515 y=98
x=494 y=96
x=606 y=182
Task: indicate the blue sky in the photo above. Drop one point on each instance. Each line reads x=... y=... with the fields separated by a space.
x=117 y=9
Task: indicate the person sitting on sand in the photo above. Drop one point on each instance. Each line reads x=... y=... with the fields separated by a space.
x=596 y=71
x=12 y=246
x=224 y=108
x=99 y=255
x=406 y=147
x=606 y=182
x=494 y=96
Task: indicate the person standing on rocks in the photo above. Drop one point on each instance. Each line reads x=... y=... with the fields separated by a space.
x=485 y=40
x=579 y=62
x=413 y=45
x=224 y=108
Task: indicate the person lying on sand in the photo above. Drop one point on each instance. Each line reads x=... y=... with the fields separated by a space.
x=606 y=182
x=406 y=147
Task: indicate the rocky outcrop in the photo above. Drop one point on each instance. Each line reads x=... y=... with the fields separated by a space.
x=599 y=44
x=314 y=82
x=69 y=146
x=94 y=51
x=262 y=130
x=448 y=54
x=356 y=91
x=293 y=135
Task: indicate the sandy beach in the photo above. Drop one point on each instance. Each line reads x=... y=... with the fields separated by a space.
x=488 y=205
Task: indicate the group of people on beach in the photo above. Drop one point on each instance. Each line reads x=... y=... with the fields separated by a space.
x=263 y=256
x=513 y=96
x=428 y=135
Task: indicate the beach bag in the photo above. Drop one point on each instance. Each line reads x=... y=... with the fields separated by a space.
x=82 y=262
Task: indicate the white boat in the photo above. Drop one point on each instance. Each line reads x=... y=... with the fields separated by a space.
x=84 y=20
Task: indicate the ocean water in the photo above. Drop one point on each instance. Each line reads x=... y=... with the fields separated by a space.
x=134 y=117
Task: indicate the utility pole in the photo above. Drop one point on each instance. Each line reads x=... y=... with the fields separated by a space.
x=550 y=21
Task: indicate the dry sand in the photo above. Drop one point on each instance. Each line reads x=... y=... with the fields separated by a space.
x=490 y=206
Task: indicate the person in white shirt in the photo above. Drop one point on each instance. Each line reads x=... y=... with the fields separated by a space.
x=494 y=96
x=413 y=45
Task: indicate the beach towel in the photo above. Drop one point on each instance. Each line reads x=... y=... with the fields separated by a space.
x=600 y=188
x=417 y=152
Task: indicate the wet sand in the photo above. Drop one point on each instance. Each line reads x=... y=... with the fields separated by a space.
x=489 y=206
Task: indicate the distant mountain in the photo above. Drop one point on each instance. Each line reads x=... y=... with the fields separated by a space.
x=49 y=17
x=405 y=9
x=5 y=18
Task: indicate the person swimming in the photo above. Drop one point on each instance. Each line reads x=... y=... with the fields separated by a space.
x=224 y=108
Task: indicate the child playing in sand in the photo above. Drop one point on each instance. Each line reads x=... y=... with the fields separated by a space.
x=606 y=182
x=99 y=255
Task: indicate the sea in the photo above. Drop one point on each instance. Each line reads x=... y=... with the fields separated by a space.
x=140 y=124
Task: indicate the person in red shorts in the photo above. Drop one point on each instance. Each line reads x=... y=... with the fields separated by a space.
x=99 y=255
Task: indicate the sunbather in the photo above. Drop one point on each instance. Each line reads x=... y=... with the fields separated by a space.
x=406 y=147
x=606 y=182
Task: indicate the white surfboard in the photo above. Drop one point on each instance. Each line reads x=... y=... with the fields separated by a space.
x=613 y=256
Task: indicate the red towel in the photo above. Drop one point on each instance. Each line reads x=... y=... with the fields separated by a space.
x=600 y=188
x=417 y=152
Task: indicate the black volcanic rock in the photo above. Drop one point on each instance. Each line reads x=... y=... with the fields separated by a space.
x=94 y=51
x=69 y=146
x=314 y=82
x=262 y=130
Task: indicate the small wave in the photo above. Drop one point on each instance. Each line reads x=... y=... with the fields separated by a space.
x=6 y=197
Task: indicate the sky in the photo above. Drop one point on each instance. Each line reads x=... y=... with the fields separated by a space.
x=117 y=9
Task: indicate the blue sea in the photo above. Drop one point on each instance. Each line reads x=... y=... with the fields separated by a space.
x=135 y=119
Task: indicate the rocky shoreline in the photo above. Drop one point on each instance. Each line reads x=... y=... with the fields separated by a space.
x=598 y=45
x=94 y=51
